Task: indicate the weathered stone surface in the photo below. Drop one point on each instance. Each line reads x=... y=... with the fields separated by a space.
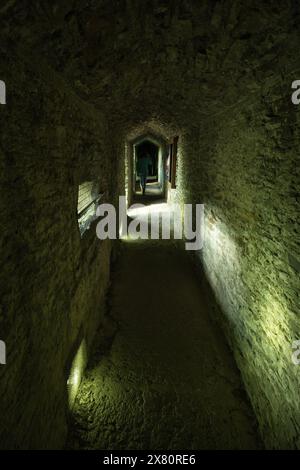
x=168 y=381
x=52 y=281
x=218 y=74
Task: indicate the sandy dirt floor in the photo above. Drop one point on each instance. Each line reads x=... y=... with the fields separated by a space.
x=168 y=380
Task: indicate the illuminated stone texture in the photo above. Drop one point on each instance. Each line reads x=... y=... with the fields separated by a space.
x=218 y=75
x=52 y=280
x=168 y=381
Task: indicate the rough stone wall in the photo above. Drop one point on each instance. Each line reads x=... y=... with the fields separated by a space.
x=243 y=164
x=218 y=74
x=52 y=282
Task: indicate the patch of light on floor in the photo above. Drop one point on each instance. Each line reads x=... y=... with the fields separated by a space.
x=136 y=211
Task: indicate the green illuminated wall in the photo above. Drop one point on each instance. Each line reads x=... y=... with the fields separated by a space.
x=52 y=281
x=243 y=164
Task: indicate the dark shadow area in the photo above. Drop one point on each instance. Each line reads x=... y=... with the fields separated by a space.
x=148 y=148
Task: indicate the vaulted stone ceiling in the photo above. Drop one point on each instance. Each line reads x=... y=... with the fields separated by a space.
x=177 y=58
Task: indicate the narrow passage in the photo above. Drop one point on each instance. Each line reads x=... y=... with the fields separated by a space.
x=168 y=381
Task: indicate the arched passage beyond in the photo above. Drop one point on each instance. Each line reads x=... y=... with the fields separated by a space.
x=152 y=150
x=152 y=153
x=156 y=148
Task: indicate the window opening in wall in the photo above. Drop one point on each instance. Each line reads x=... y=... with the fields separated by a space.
x=173 y=162
x=2 y=92
x=88 y=201
x=169 y=169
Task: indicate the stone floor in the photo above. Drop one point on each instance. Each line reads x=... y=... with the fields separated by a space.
x=153 y=190
x=168 y=380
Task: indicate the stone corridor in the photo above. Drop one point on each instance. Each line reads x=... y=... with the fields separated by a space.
x=168 y=381
x=183 y=350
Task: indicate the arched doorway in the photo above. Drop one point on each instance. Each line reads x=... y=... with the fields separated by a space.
x=150 y=151
x=157 y=148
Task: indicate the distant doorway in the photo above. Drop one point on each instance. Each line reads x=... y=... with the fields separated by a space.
x=156 y=147
x=148 y=169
